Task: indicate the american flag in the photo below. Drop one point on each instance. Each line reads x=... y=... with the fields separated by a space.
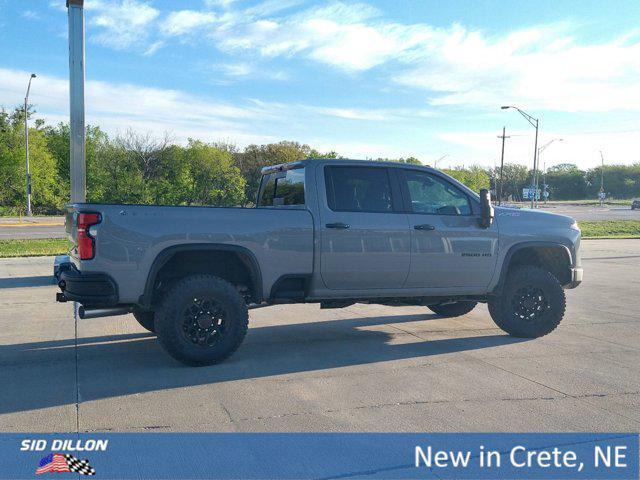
x=58 y=462
x=54 y=462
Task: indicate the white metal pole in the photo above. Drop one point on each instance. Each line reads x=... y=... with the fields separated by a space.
x=26 y=145
x=76 y=100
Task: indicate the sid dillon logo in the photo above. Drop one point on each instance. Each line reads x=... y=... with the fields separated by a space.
x=61 y=463
x=57 y=462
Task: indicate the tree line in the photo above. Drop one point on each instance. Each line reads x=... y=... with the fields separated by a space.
x=134 y=168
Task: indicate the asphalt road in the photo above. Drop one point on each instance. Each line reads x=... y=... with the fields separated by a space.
x=36 y=231
x=362 y=368
x=588 y=213
x=31 y=227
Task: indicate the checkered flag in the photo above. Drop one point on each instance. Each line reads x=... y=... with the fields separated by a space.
x=80 y=466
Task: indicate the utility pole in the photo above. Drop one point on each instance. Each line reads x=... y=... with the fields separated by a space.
x=536 y=124
x=503 y=136
x=26 y=144
x=76 y=100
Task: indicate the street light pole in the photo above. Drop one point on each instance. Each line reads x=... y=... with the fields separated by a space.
x=435 y=164
x=544 y=170
x=26 y=145
x=544 y=179
x=602 y=181
x=534 y=123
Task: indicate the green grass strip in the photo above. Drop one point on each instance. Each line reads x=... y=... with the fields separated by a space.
x=610 y=229
x=35 y=247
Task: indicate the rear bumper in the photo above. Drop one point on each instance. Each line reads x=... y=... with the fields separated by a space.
x=576 y=278
x=88 y=289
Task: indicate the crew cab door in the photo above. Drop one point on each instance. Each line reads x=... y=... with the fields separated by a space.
x=365 y=236
x=448 y=247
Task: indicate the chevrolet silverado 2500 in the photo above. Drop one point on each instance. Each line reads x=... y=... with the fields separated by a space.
x=333 y=232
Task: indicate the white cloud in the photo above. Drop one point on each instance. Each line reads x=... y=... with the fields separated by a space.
x=270 y=7
x=245 y=71
x=364 y=150
x=117 y=107
x=31 y=15
x=334 y=34
x=542 y=67
x=219 y=3
x=389 y=115
x=236 y=69
x=186 y=22
x=121 y=24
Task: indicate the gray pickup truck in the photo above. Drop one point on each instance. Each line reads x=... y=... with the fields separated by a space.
x=333 y=232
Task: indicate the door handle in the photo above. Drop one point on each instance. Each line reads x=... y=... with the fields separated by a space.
x=337 y=225
x=424 y=226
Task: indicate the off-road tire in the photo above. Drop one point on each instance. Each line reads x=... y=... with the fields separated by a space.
x=449 y=310
x=544 y=310
x=146 y=319
x=178 y=324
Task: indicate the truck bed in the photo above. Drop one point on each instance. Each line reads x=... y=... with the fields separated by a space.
x=130 y=237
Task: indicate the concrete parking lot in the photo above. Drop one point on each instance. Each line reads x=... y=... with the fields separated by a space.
x=362 y=368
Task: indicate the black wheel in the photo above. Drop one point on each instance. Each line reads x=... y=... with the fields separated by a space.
x=202 y=320
x=452 y=309
x=531 y=305
x=146 y=319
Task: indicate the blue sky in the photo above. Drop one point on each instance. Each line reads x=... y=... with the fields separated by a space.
x=367 y=79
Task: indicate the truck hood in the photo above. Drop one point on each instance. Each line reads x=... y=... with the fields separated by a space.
x=539 y=219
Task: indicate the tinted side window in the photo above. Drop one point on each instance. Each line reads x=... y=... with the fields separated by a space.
x=290 y=188
x=283 y=188
x=268 y=190
x=430 y=194
x=358 y=189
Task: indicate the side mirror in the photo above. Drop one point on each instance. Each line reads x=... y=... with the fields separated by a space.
x=486 y=209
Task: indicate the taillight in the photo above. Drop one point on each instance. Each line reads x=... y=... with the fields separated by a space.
x=86 y=243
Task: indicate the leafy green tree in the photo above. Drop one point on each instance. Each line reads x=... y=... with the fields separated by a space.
x=12 y=182
x=620 y=181
x=410 y=160
x=565 y=182
x=474 y=177
x=214 y=179
x=46 y=194
x=515 y=178
x=254 y=157
x=58 y=145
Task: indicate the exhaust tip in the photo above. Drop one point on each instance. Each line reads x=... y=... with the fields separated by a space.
x=86 y=313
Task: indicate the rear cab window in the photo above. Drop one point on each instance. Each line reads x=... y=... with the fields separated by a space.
x=282 y=189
